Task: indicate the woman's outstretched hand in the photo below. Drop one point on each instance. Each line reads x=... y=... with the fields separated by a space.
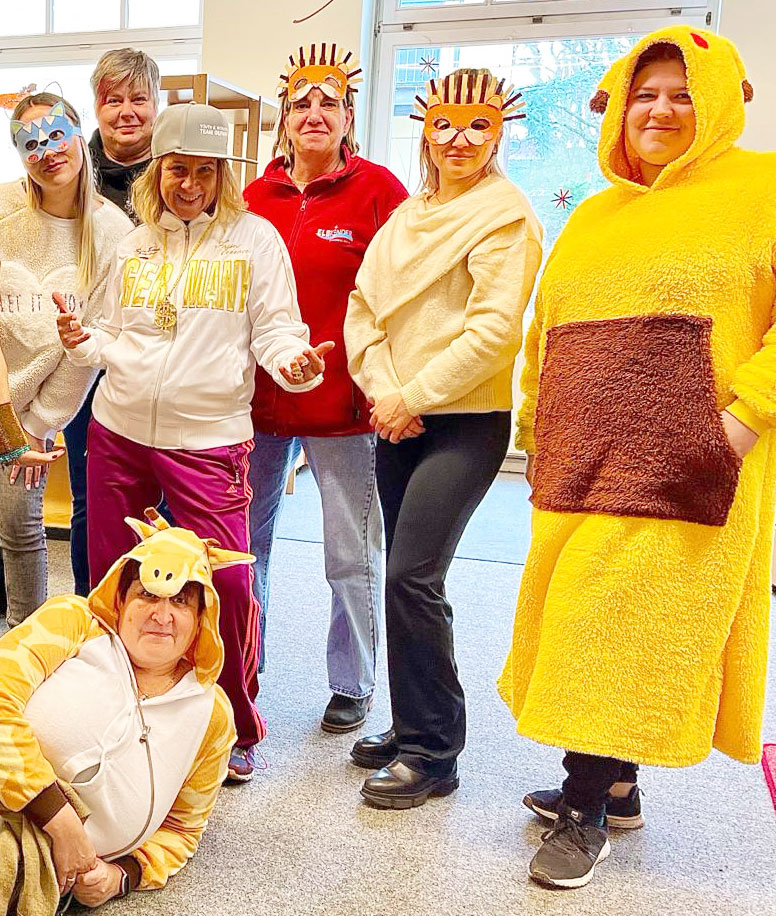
x=71 y=332
x=392 y=421
x=304 y=368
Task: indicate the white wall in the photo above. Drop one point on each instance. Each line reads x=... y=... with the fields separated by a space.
x=751 y=25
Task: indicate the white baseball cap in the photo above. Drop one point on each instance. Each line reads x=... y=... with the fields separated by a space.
x=194 y=130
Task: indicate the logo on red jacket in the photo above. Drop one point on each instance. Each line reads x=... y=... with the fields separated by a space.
x=335 y=235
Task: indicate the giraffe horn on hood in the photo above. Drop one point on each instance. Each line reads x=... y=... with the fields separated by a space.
x=157 y=520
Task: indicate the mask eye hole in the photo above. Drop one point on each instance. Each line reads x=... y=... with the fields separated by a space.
x=480 y=124
x=302 y=81
x=441 y=123
x=56 y=135
x=31 y=145
x=332 y=81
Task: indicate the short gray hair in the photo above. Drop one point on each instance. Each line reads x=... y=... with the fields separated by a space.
x=114 y=67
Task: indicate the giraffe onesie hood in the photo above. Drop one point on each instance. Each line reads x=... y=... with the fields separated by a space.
x=642 y=622
x=148 y=768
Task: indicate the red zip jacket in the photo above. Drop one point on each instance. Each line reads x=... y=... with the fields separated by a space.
x=326 y=228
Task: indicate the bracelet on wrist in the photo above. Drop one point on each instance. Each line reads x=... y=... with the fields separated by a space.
x=124 y=887
x=11 y=457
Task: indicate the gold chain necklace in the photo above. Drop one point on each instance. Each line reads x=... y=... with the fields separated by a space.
x=165 y=313
x=171 y=681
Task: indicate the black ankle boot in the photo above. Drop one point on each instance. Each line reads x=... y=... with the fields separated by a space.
x=376 y=751
x=398 y=786
x=345 y=714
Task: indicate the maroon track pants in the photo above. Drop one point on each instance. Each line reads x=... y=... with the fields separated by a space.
x=207 y=491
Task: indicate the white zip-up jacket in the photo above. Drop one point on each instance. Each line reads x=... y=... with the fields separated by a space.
x=191 y=387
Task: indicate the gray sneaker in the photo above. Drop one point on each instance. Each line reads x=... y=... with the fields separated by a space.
x=570 y=851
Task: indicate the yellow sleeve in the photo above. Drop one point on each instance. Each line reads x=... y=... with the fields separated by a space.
x=529 y=382
x=29 y=654
x=503 y=269
x=176 y=841
x=754 y=384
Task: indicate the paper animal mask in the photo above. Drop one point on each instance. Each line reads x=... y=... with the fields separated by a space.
x=327 y=70
x=53 y=131
x=473 y=104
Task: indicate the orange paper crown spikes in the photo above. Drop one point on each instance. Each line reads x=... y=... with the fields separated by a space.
x=474 y=104
x=322 y=67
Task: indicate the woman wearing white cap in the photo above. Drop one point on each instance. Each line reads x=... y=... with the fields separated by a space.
x=201 y=292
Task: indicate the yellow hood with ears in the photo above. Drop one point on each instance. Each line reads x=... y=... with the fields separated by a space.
x=718 y=87
x=168 y=558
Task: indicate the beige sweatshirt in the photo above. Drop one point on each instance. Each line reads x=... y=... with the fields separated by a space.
x=439 y=300
x=39 y=256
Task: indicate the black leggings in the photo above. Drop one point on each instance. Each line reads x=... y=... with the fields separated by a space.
x=429 y=487
x=590 y=778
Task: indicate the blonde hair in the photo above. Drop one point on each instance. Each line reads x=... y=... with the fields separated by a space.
x=283 y=146
x=429 y=173
x=114 y=67
x=86 y=194
x=148 y=203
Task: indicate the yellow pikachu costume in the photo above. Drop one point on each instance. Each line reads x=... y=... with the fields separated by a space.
x=642 y=623
x=148 y=769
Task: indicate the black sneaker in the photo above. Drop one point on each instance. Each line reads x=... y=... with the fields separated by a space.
x=570 y=851
x=623 y=813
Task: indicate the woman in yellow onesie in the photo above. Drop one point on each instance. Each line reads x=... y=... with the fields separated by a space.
x=650 y=392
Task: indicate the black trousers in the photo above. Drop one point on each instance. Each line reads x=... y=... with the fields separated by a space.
x=590 y=778
x=429 y=487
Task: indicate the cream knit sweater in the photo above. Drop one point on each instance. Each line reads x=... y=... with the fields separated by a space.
x=39 y=256
x=439 y=300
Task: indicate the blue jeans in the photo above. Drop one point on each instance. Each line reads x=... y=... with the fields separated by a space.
x=75 y=440
x=344 y=469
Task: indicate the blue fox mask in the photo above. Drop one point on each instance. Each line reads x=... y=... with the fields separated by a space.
x=53 y=131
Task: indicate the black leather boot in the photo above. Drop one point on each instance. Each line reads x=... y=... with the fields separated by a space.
x=345 y=714
x=376 y=751
x=397 y=786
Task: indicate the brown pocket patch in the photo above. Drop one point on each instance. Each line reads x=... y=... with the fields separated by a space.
x=627 y=423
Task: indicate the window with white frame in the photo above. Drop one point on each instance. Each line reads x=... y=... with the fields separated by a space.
x=54 y=44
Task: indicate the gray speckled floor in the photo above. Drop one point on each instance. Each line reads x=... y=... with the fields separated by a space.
x=298 y=842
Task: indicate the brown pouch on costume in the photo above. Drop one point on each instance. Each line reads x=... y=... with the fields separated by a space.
x=627 y=422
